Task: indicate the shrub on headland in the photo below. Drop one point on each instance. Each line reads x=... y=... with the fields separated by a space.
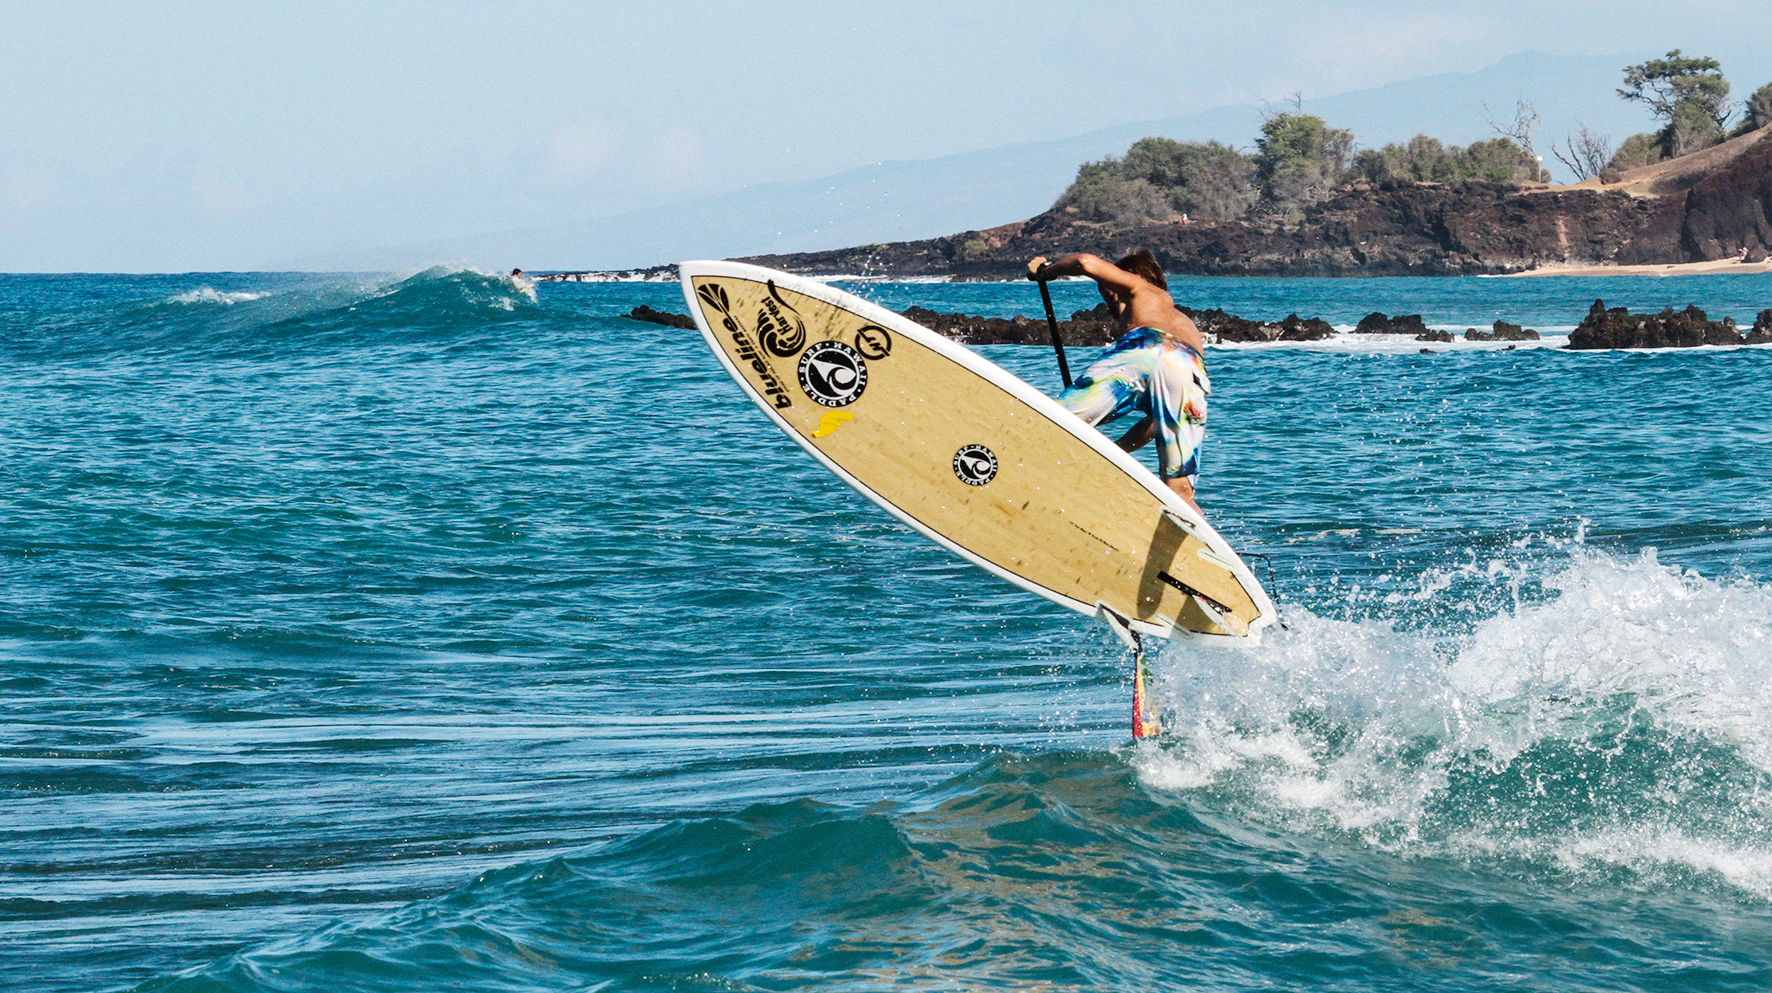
x=1757 y=112
x=1298 y=160
x=1426 y=160
x=1162 y=180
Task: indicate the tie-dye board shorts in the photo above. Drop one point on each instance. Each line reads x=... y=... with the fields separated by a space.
x=1149 y=373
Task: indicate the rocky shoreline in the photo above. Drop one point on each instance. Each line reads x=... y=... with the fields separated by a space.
x=1601 y=328
x=1704 y=209
x=1464 y=229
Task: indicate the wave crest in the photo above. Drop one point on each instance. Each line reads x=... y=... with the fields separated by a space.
x=1631 y=704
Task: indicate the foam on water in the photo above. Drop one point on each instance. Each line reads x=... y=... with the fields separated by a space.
x=1622 y=721
x=205 y=294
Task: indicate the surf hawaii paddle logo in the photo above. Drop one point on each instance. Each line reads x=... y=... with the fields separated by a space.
x=976 y=465
x=833 y=374
x=714 y=296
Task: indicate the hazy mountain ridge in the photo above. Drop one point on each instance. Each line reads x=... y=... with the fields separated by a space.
x=910 y=200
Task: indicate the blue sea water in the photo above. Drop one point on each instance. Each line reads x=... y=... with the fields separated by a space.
x=365 y=633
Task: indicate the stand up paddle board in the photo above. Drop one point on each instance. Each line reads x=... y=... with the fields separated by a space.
x=976 y=459
x=982 y=463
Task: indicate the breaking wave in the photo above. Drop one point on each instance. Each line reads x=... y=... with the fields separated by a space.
x=1620 y=721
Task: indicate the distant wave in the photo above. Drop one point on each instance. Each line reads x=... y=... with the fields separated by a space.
x=204 y=294
x=284 y=312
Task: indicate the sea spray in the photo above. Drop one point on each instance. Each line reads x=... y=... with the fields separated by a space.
x=1620 y=723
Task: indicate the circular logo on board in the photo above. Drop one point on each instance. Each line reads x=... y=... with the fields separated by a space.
x=873 y=341
x=833 y=374
x=976 y=465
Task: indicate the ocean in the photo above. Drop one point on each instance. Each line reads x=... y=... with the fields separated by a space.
x=367 y=633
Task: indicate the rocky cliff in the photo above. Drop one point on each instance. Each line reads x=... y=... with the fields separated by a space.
x=1711 y=206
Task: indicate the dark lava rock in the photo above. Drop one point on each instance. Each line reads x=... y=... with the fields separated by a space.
x=1619 y=328
x=1230 y=327
x=1503 y=332
x=1434 y=336
x=665 y=317
x=1725 y=214
x=1296 y=328
x=1097 y=327
x=1437 y=229
x=1762 y=332
x=1017 y=330
x=1377 y=323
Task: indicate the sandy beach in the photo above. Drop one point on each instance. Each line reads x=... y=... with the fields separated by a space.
x=1724 y=267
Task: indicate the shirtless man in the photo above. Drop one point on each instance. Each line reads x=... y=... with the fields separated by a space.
x=1157 y=367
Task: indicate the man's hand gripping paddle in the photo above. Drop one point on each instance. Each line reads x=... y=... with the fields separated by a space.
x=1034 y=269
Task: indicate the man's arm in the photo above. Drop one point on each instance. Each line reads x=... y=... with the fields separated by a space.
x=1138 y=436
x=1093 y=266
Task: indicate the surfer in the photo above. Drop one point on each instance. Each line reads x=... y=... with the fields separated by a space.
x=1157 y=367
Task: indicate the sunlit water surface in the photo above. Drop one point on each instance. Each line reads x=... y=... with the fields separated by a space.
x=375 y=634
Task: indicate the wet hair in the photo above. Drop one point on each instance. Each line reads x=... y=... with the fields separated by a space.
x=1142 y=263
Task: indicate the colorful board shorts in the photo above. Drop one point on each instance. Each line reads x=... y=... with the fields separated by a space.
x=1147 y=372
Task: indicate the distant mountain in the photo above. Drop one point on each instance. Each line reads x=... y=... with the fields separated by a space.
x=899 y=201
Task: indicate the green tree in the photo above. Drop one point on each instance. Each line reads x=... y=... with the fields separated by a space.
x=1427 y=160
x=1299 y=158
x=1159 y=180
x=1687 y=94
x=1637 y=150
x=1758 y=111
x=1497 y=160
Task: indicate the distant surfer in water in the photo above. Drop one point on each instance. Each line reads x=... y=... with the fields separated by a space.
x=1156 y=368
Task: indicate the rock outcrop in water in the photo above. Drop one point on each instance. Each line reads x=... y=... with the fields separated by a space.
x=1762 y=330
x=668 y=319
x=1602 y=328
x=1619 y=328
x=1085 y=328
x=1216 y=324
x=1378 y=323
x=1502 y=331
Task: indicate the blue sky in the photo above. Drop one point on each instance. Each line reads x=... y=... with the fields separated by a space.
x=195 y=136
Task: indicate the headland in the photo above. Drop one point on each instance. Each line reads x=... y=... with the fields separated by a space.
x=1706 y=212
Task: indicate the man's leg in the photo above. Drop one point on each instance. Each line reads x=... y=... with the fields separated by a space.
x=1185 y=490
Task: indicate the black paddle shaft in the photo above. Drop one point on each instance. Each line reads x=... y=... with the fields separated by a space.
x=1064 y=368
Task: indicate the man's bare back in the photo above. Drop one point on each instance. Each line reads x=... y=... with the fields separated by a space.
x=1137 y=302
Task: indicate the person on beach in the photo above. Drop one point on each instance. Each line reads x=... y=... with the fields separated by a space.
x=1156 y=368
